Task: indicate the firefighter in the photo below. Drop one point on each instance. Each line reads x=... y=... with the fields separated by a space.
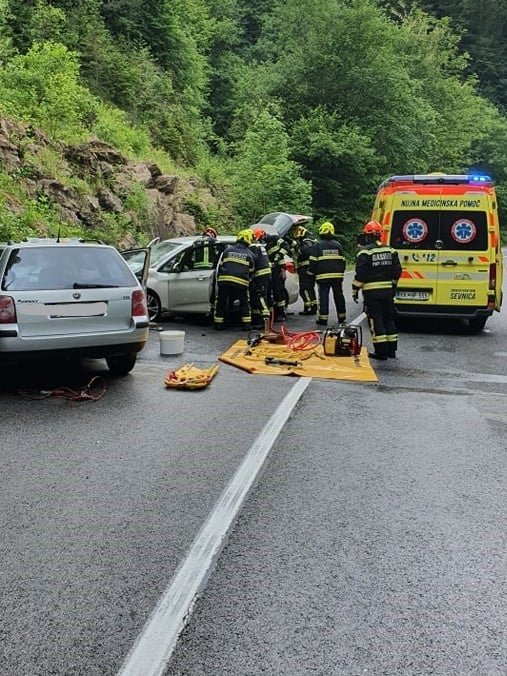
x=234 y=274
x=305 y=243
x=205 y=254
x=377 y=273
x=327 y=265
x=277 y=250
x=260 y=286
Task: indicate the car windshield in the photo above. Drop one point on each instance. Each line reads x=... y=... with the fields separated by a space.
x=162 y=249
x=46 y=268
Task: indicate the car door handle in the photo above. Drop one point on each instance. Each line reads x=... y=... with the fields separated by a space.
x=202 y=279
x=449 y=263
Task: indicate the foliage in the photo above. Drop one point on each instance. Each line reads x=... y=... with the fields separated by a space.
x=24 y=216
x=264 y=178
x=299 y=105
x=43 y=89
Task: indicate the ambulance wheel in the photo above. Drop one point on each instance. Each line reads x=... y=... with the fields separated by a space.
x=477 y=324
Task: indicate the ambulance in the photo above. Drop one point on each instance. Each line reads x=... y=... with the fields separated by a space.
x=445 y=228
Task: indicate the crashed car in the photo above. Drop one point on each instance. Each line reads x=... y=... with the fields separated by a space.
x=178 y=285
x=281 y=223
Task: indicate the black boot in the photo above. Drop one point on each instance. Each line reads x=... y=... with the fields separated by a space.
x=376 y=355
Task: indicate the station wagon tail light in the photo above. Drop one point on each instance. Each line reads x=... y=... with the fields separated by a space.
x=290 y=267
x=139 y=308
x=7 y=310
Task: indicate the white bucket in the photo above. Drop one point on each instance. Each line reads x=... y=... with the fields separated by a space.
x=172 y=342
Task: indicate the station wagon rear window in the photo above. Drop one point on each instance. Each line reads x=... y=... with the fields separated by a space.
x=462 y=230
x=47 y=268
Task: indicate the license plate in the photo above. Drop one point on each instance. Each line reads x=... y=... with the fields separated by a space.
x=412 y=295
x=76 y=310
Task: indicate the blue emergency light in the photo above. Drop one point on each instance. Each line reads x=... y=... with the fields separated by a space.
x=480 y=179
x=445 y=179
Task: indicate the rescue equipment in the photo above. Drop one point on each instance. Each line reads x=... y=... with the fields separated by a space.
x=94 y=390
x=189 y=377
x=298 y=342
x=281 y=362
x=343 y=340
x=269 y=358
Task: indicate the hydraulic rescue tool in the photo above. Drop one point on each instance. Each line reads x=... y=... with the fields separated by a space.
x=275 y=361
x=343 y=340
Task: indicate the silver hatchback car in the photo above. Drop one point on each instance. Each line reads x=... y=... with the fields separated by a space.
x=70 y=299
x=177 y=282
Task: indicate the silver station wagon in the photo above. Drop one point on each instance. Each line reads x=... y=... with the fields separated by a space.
x=70 y=299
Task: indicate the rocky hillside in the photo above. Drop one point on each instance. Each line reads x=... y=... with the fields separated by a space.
x=92 y=188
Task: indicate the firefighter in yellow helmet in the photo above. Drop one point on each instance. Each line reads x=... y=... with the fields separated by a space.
x=377 y=272
x=234 y=275
x=327 y=265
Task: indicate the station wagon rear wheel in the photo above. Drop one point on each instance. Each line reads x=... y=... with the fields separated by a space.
x=121 y=365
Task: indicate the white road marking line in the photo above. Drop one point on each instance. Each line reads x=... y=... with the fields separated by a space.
x=154 y=645
x=357 y=320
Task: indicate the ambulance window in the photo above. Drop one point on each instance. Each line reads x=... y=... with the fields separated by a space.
x=415 y=229
x=464 y=230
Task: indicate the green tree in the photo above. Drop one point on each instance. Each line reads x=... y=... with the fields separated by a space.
x=43 y=88
x=264 y=179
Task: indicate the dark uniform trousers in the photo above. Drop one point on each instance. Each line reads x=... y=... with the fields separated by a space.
x=307 y=290
x=227 y=294
x=279 y=291
x=379 y=307
x=261 y=299
x=334 y=286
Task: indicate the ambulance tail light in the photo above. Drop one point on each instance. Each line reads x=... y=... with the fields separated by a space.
x=492 y=276
x=492 y=286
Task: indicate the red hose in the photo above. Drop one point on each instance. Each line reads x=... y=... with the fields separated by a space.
x=304 y=340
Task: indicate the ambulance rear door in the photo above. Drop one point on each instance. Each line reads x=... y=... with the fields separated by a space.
x=415 y=233
x=463 y=278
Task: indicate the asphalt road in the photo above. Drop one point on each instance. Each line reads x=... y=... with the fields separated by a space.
x=374 y=541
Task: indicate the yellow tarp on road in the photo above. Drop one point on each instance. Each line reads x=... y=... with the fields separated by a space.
x=313 y=363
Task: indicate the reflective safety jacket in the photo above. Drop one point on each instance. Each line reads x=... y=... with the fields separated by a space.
x=327 y=261
x=377 y=267
x=276 y=249
x=205 y=254
x=305 y=251
x=237 y=265
x=262 y=263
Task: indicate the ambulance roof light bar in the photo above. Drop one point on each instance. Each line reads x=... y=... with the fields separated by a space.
x=445 y=179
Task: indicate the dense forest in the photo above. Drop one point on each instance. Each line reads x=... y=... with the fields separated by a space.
x=298 y=105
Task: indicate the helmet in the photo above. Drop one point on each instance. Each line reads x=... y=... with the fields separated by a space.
x=259 y=234
x=299 y=232
x=211 y=232
x=373 y=228
x=326 y=228
x=246 y=236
